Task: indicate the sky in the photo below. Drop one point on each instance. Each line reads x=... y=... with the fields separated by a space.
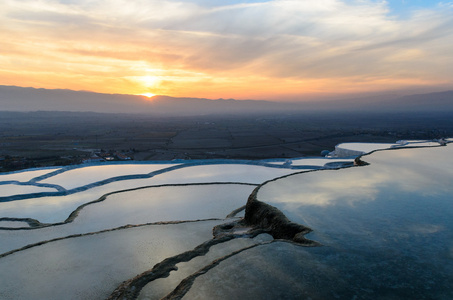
x=272 y=50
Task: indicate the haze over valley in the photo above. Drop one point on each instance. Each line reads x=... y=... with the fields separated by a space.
x=14 y=98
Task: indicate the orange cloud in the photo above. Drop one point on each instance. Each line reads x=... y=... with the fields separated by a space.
x=268 y=50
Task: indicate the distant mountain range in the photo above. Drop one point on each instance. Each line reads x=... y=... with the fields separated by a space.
x=14 y=98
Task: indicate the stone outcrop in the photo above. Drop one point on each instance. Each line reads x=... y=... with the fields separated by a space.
x=268 y=218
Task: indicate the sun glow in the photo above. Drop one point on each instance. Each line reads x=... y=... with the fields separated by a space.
x=149 y=95
x=247 y=60
x=149 y=81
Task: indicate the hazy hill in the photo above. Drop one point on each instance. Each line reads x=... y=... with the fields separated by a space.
x=30 y=99
x=430 y=102
x=442 y=101
x=14 y=98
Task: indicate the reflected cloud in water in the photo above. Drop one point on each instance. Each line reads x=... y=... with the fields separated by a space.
x=396 y=171
x=387 y=226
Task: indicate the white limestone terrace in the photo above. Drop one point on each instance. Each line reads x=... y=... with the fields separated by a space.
x=55 y=207
x=109 y=229
x=81 y=176
x=74 y=179
x=50 y=195
x=26 y=175
x=134 y=207
x=318 y=162
x=13 y=224
x=356 y=149
x=91 y=266
x=7 y=190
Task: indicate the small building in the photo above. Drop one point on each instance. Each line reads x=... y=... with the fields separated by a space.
x=121 y=156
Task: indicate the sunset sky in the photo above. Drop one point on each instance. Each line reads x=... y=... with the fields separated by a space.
x=275 y=50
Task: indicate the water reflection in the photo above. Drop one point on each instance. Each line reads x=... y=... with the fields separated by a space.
x=387 y=226
x=396 y=171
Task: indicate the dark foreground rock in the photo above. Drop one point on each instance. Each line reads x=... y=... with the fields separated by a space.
x=271 y=220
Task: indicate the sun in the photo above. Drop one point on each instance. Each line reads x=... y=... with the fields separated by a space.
x=148 y=82
x=149 y=95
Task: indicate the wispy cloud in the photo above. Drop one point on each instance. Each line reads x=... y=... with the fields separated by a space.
x=275 y=48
